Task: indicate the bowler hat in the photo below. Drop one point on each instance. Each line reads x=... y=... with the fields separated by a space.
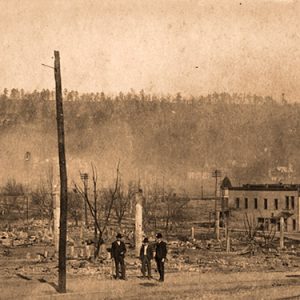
x=145 y=240
x=159 y=235
x=119 y=236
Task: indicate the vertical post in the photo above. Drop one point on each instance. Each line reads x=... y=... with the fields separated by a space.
x=56 y=216
x=281 y=233
x=95 y=222
x=193 y=233
x=209 y=221
x=85 y=204
x=27 y=213
x=85 y=179
x=217 y=225
x=216 y=174
x=63 y=177
x=138 y=222
x=225 y=217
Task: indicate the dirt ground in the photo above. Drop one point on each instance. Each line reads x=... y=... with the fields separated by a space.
x=192 y=285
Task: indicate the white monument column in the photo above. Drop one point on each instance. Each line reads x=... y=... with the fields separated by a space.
x=138 y=222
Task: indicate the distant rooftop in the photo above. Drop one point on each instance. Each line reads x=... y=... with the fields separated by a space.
x=267 y=187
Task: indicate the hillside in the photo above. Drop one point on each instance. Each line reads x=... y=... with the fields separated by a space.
x=249 y=138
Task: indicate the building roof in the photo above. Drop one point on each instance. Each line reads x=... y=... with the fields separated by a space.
x=267 y=187
x=226 y=183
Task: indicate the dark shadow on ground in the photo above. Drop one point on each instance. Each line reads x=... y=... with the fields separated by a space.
x=23 y=276
x=52 y=284
x=148 y=284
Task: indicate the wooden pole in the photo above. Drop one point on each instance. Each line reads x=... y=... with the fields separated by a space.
x=217 y=225
x=95 y=223
x=63 y=178
x=216 y=174
x=227 y=239
x=281 y=233
x=27 y=213
x=85 y=204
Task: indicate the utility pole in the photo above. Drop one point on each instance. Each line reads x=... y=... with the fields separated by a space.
x=62 y=278
x=95 y=221
x=216 y=174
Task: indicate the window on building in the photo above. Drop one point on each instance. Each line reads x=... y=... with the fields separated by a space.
x=294 y=224
x=246 y=203
x=276 y=204
x=292 y=202
x=265 y=203
x=255 y=203
x=287 y=206
x=237 y=202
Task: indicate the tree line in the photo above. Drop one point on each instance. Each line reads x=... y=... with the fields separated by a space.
x=247 y=136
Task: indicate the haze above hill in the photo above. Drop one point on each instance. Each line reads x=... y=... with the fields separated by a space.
x=192 y=47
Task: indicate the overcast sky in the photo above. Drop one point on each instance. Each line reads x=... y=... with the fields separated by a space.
x=195 y=47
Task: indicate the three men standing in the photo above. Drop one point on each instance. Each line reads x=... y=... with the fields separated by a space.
x=118 y=250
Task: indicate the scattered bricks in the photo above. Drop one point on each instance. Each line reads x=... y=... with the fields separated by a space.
x=193 y=269
x=4 y=235
x=7 y=242
x=88 y=251
x=19 y=242
x=187 y=259
x=72 y=250
x=33 y=238
x=6 y=252
x=23 y=235
x=81 y=254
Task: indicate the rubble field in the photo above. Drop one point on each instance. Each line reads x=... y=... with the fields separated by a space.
x=31 y=255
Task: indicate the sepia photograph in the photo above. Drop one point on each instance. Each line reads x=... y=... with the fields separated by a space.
x=150 y=149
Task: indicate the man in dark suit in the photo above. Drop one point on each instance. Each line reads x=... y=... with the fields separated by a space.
x=146 y=254
x=160 y=256
x=118 y=250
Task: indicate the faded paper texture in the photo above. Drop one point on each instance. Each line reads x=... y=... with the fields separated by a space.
x=188 y=109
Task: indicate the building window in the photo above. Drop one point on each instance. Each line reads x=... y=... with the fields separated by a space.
x=255 y=203
x=294 y=224
x=287 y=206
x=292 y=202
x=265 y=203
x=237 y=203
x=246 y=203
x=276 y=204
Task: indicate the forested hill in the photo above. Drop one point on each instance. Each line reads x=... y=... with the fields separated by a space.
x=249 y=138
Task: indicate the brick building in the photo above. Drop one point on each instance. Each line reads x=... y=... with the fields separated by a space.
x=264 y=203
